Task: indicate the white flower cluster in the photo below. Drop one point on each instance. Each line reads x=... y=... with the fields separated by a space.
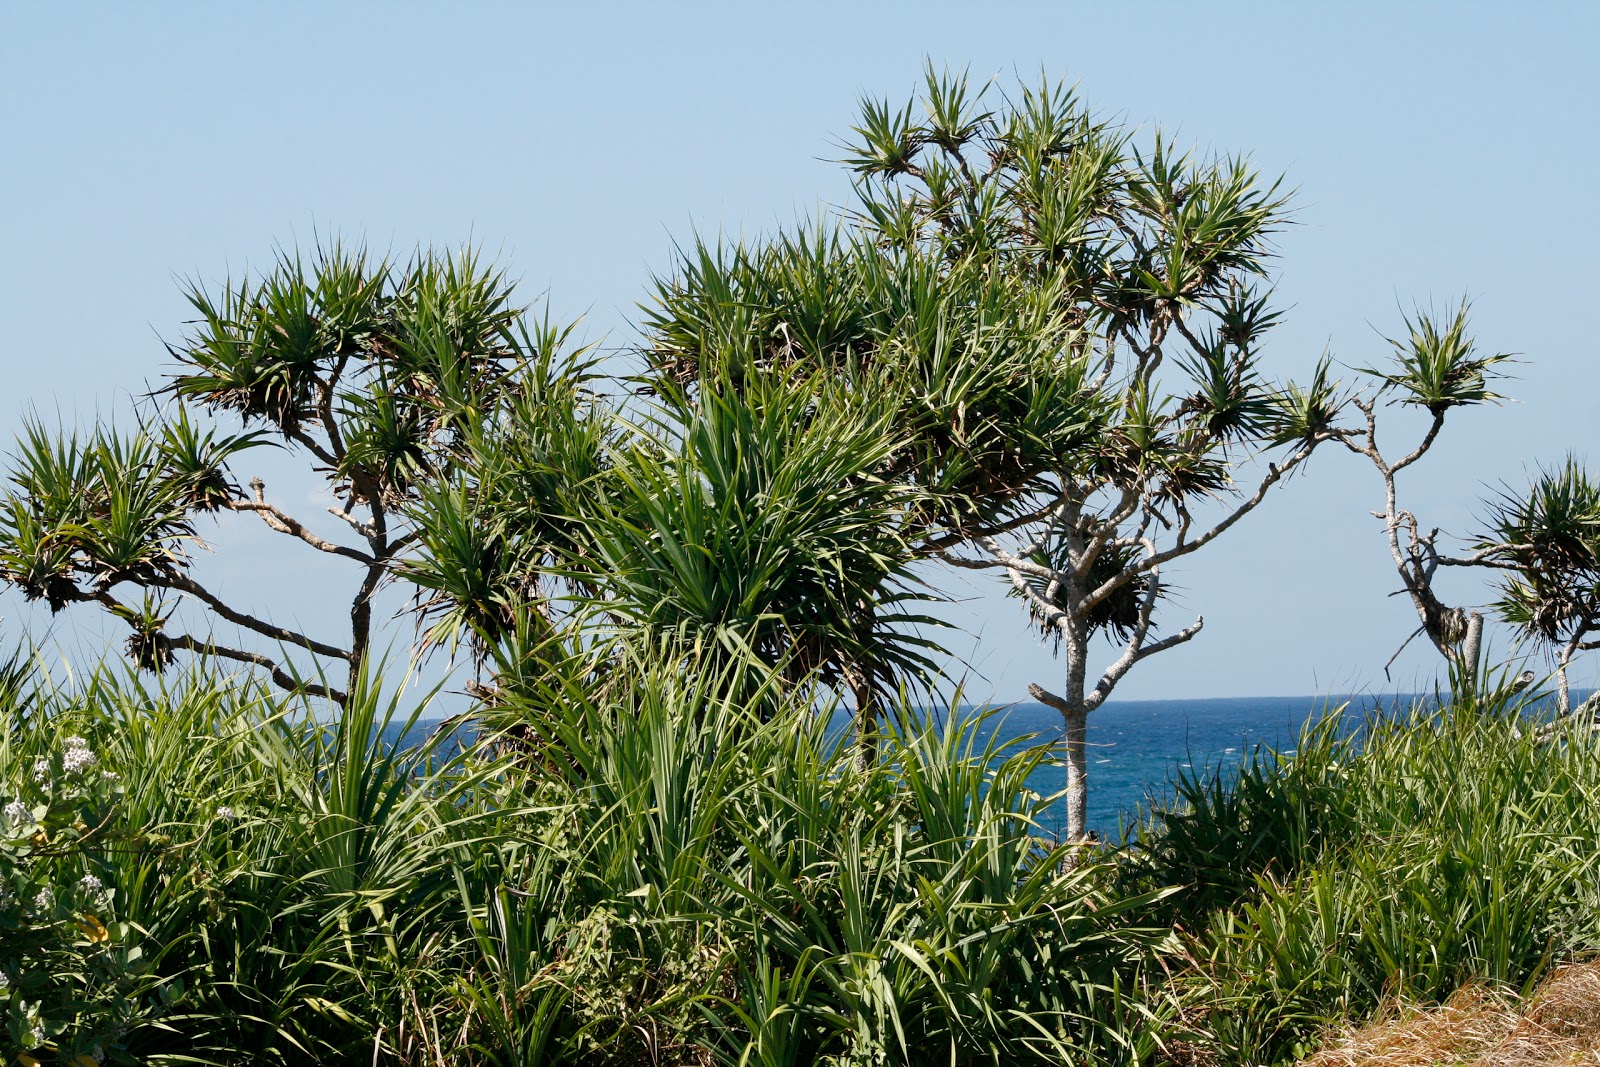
x=45 y=900
x=77 y=758
x=41 y=770
x=18 y=814
x=90 y=884
x=225 y=813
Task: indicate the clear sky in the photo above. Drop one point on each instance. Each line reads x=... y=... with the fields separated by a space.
x=1438 y=150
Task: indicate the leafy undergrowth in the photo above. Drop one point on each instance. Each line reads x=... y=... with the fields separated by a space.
x=657 y=876
x=639 y=869
x=1424 y=855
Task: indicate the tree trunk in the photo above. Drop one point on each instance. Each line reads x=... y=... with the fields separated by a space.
x=866 y=725
x=1470 y=652
x=1077 y=728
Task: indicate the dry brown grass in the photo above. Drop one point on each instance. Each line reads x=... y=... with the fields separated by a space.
x=1559 y=1024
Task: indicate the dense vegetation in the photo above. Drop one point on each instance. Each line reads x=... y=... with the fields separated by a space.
x=1036 y=348
x=658 y=874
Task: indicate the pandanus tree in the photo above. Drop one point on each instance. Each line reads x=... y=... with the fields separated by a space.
x=373 y=372
x=1017 y=283
x=971 y=380
x=1545 y=542
x=1436 y=367
x=733 y=536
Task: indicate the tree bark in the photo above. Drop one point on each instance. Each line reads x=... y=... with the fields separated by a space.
x=1075 y=718
x=866 y=725
x=1077 y=723
x=1470 y=652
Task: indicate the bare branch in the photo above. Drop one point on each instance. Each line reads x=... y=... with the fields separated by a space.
x=325 y=393
x=280 y=677
x=1422 y=449
x=399 y=544
x=286 y=524
x=1044 y=696
x=1050 y=614
x=1275 y=474
x=1130 y=656
x=360 y=527
x=184 y=584
x=312 y=445
x=968 y=564
x=1016 y=563
x=1108 y=526
x=1483 y=557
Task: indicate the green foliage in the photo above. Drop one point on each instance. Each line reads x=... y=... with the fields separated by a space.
x=984 y=382
x=1424 y=852
x=71 y=975
x=494 y=538
x=1551 y=549
x=758 y=528
x=639 y=869
x=1439 y=366
x=90 y=513
x=382 y=376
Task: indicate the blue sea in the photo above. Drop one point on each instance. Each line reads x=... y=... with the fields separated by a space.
x=1136 y=747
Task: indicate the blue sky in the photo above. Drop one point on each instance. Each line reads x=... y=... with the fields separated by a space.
x=1438 y=150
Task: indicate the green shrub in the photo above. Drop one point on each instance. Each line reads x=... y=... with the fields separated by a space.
x=1404 y=861
x=643 y=870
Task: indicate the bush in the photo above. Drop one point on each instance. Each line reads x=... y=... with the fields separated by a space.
x=1404 y=861
x=637 y=871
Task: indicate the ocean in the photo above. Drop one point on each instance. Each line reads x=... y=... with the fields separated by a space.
x=1136 y=747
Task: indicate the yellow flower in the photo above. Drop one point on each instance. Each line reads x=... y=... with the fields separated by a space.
x=94 y=929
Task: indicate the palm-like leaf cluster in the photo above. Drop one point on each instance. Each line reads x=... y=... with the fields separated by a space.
x=1009 y=280
x=1549 y=539
x=375 y=368
x=87 y=513
x=386 y=377
x=1438 y=365
x=758 y=526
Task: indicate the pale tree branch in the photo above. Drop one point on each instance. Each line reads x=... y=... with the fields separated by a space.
x=1421 y=449
x=1275 y=474
x=1484 y=557
x=1050 y=614
x=280 y=677
x=185 y=584
x=286 y=524
x=1130 y=656
x=1015 y=563
x=1044 y=696
x=360 y=527
x=1107 y=528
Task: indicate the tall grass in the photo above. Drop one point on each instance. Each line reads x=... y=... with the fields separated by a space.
x=642 y=872
x=633 y=867
x=1403 y=861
